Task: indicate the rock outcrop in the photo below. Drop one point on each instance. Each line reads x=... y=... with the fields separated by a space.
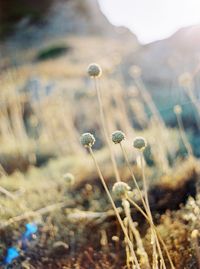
x=63 y=18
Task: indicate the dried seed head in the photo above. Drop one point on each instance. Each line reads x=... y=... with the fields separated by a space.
x=69 y=178
x=195 y=234
x=185 y=79
x=118 y=136
x=94 y=70
x=177 y=109
x=140 y=143
x=87 y=140
x=120 y=189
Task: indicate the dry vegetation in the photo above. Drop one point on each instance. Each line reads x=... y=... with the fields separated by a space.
x=45 y=106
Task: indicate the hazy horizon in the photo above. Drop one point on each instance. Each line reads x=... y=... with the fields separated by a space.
x=144 y=20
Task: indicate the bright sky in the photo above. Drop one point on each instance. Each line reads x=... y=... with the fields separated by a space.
x=151 y=20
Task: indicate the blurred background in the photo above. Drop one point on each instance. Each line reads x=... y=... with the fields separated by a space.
x=149 y=52
x=46 y=48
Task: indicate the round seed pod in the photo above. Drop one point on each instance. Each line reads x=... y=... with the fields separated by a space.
x=69 y=178
x=177 y=109
x=118 y=136
x=120 y=189
x=94 y=70
x=87 y=140
x=140 y=143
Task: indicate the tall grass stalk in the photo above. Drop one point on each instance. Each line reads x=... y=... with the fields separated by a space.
x=151 y=223
x=155 y=113
x=178 y=111
x=103 y=122
x=155 y=241
x=132 y=230
x=186 y=81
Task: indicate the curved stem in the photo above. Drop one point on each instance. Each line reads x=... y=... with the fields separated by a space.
x=115 y=210
x=183 y=135
x=156 y=242
x=146 y=215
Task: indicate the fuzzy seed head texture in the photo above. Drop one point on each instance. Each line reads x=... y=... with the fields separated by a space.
x=140 y=143
x=87 y=140
x=94 y=70
x=117 y=137
x=120 y=189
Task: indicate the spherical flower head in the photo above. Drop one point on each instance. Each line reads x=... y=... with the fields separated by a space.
x=140 y=143
x=120 y=189
x=94 y=70
x=69 y=178
x=177 y=109
x=118 y=136
x=87 y=140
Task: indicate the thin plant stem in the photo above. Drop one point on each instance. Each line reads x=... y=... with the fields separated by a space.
x=103 y=122
x=3 y=171
x=189 y=91
x=183 y=135
x=150 y=222
x=149 y=210
x=135 y=232
x=144 y=203
x=132 y=175
x=155 y=113
x=115 y=210
x=128 y=255
x=7 y=193
x=149 y=101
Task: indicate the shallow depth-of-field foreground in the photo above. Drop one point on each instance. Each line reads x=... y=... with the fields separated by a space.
x=92 y=174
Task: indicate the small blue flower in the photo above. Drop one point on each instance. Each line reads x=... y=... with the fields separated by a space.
x=31 y=229
x=12 y=253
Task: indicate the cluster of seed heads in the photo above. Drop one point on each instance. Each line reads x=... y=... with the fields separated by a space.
x=120 y=189
x=87 y=140
x=94 y=70
x=118 y=136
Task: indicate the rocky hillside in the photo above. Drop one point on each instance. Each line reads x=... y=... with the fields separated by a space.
x=161 y=61
x=61 y=18
x=166 y=59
